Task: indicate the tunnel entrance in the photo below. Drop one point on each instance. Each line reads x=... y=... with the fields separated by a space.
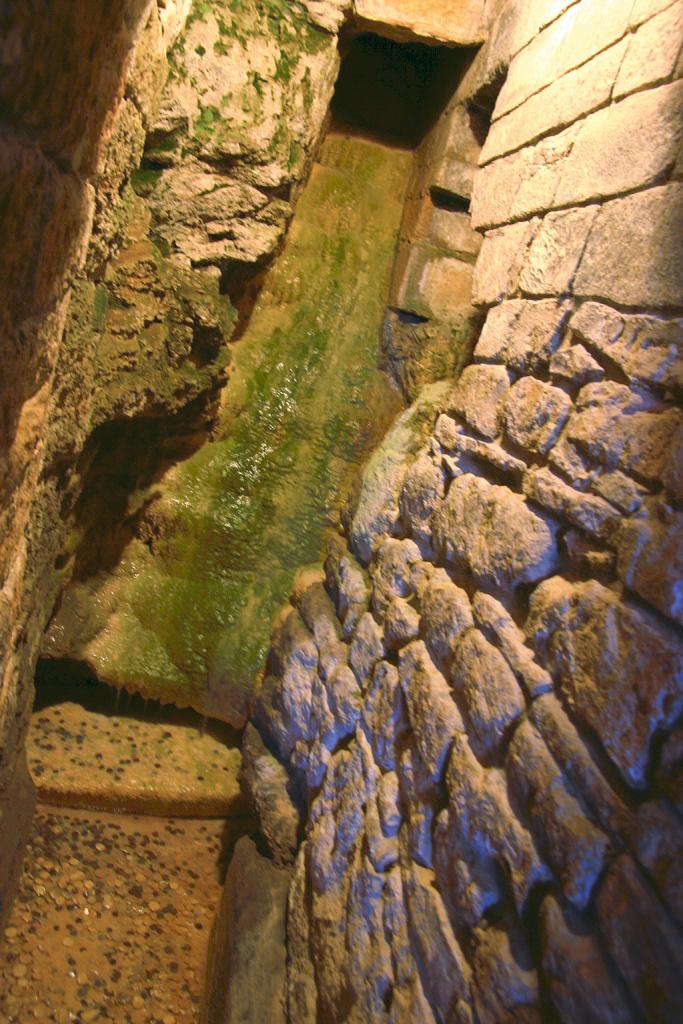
x=393 y=91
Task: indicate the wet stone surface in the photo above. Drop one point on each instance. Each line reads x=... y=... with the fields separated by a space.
x=112 y=919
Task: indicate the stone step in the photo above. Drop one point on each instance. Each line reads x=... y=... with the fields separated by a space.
x=123 y=762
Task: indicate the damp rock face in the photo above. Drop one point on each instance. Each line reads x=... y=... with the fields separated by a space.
x=481 y=838
x=185 y=613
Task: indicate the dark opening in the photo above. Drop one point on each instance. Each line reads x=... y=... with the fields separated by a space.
x=395 y=91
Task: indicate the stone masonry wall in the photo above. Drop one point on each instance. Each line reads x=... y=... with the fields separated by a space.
x=468 y=736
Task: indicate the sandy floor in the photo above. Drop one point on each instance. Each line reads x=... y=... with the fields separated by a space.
x=112 y=920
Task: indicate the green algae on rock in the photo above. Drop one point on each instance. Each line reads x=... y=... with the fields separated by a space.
x=305 y=405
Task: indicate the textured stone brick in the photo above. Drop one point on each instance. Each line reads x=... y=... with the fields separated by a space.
x=478 y=398
x=468 y=450
x=619 y=490
x=500 y=628
x=421 y=496
x=620 y=670
x=534 y=414
x=446 y=613
x=575 y=366
x=367 y=648
x=642 y=942
x=604 y=161
x=487 y=692
x=572 y=845
x=401 y=625
x=634 y=255
x=431 y=709
x=590 y=513
x=581 y=985
x=480 y=846
x=500 y=261
x=417 y=801
x=505 y=984
x=575 y=758
x=555 y=254
x=656 y=841
x=584 y=30
x=620 y=428
x=391 y=571
x=383 y=716
x=493 y=533
x=653 y=51
x=559 y=104
x=645 y=348
x=443 y=965
x=651 y=560
x=522 y=334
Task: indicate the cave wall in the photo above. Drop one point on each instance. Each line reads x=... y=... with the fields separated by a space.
x=468 y=737
x=117 y=300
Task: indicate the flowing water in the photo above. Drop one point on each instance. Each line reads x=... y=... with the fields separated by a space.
x=305 y=405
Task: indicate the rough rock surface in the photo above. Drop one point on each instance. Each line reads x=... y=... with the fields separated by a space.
x=483 y=838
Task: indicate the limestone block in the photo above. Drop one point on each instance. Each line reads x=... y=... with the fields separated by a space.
x=367 y=648
x=493 y=533
x=421 y=497
x=577 y=763
x=534 y=414
x=381 y=849
x=344 y=701
x=644 y=9
x=555 y=255
x=499 y=627
x=619 y=490
x=391 y=571
x=604 y=162
x=480 y=846
x=500 y=261
x=560 y=103
x=443 y=966
x=590 y=513
x=584 y=30
x=453 y=231
x=642 y=942
x=377 y=511
x=653 y=51
x=572 y=845
x=645 y=348
x=673 y=472
x=575 y=366
x=431 y=710
x=401 y=625
x=470 y=449
x=487 y=692
x=440 y=20
x=651 y=560
x=388 y=804
x=620 y=428
x=348 y=585
x=522 y=334
x=267 y=784
x=318 y=612
x=247 y=970
x=417 y=801
x=478 y=398
x=581 y=985
x=446 y=613
x=618 y=667
x=634 y=255
x=656 y=841
x=505 y=984
x=383 y=715
x=435 y=285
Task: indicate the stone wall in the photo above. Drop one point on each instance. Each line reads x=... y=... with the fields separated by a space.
x=467 y=739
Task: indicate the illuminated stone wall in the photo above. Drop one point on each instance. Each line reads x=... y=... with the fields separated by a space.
x=467 y=737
